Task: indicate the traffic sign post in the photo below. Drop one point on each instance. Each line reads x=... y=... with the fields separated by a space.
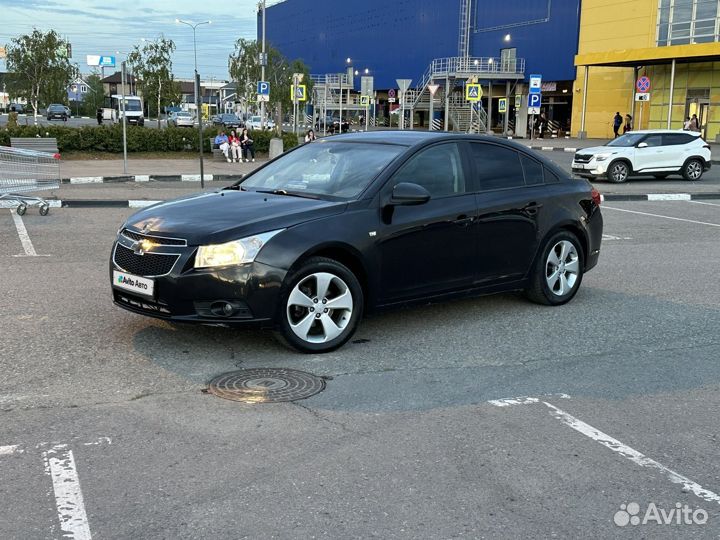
x=534 y=101
x=473 y=92
x=263 y=91
x=403 y=85
x=535 y=84
x=432 y=88
x=502 y=105
x=643 y=84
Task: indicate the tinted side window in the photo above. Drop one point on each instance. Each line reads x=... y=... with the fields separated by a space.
x=654 y=140
x=438 y=169
x=497 y=167
x=551 y=177
x=676 y=138
x=533 y=171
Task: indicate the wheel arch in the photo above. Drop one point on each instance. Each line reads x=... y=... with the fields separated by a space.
x=625 y=160
x=569 y=226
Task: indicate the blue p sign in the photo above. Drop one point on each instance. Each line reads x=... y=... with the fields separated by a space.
x=534 y=100
x=263 y=88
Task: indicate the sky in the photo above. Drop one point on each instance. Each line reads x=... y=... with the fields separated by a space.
x=103 y=28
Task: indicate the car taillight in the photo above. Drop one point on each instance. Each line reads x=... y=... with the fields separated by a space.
x=596 y=196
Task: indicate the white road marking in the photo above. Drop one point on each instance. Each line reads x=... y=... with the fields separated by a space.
x=668 y=197
x=661 y=216
x=706 y=203
x=141 y=203
x=613 y=237
x=60 y=464
x=10 y=450
x=631 y=454
x=523 y=400
x=23 y=234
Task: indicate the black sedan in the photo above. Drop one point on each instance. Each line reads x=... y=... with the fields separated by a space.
x=57 y=111
x=229 y=121
x=331 y=230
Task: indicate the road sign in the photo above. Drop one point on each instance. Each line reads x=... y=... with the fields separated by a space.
x=473 y=92
x=391 y=93
x=263 y=88
x=643 y=84
x=297 y=93
x=263 y=97
x=433 y=88
x=391 y=100
x=502 y=105
x=535 y=84
x=642 y=97
x=403 y=84
x=534 y=101
x=364 y=101
x=367 y=85
x=518 y=101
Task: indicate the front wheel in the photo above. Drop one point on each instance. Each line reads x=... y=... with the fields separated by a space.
x=321 y=306
x=693 y=170
x=618 y=172
x=558 y=271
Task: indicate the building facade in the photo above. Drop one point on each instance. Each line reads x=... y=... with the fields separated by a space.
x=672 y=42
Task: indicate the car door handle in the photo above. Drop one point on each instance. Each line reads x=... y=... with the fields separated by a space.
x=464 y=220
x=531 y=208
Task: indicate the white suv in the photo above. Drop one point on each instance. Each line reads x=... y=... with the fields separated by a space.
x=255 y=122
x=657 y=153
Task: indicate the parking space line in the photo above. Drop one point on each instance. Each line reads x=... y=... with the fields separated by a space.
x=661 y=216
x=60 y=465
x=10 y=450
x=24 y=236
x=631 y=454
x=705 y=203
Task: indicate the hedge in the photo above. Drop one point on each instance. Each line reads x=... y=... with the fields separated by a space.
x=139 y=139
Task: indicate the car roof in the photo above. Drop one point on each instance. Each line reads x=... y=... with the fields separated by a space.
x=661 y=131
x=413 y=138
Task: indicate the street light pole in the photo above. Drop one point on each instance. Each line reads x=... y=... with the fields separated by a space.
x=262 y=67
x=197 y=97
x=124 y=117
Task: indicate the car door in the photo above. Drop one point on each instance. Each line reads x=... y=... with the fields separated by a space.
x=650 y=154
x=429 y=248
x=508 y=211
x=677 y=149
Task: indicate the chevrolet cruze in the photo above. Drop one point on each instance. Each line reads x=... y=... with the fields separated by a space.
x=338 y=228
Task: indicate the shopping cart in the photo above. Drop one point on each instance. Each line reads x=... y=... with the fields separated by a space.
x=22 y=171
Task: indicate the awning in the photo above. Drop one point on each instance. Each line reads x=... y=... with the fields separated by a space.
x=699 y=52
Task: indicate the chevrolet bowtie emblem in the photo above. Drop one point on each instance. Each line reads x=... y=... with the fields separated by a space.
x=137 y=247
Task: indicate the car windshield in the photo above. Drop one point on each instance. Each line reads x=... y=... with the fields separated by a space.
x=132 y=105
x=627 y=140
x=334 y=169
x=230 y=117
x=184 y=114
x=256 y=119
x=56 y=108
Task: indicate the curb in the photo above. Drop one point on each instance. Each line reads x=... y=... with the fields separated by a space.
x=142 y=203
x=150 y=178
x=573 y=150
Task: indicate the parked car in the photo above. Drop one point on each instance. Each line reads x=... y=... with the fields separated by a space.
x=255 y=122
x=19 y=107
x=216 y=119
x=230 y=121
x=57 y=111
x=657 y=153
x=181 y=119
x=333 y=124
x=309 y=242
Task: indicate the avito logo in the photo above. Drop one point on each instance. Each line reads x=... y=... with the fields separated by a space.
x=682 y=514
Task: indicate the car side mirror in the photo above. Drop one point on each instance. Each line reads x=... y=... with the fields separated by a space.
x=642 y=145
x=408 y=194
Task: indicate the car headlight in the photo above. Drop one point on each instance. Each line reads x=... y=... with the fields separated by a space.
x=241 y=251
x=602 y=157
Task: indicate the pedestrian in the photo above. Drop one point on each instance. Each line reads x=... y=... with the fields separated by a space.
x=247 y=145
x=628 y=123
x=542 y=125
x=694 y=123
x=686 y=124
x=310 y=136
x=234 y=142
x=99 y=116
x=223 y=144
x=617 y=122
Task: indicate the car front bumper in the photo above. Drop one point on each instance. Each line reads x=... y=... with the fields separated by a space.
x=186 y=294
x=592 y=169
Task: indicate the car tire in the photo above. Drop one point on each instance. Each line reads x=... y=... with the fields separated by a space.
x=693 y=170
x=618 y=172
x=304 y=324
x=558 y=270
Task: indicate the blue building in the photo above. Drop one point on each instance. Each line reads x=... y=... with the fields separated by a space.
x=502 y=42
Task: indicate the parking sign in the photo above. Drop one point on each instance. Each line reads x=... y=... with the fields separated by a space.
x=534 y=101
x=263 y=88
x=535 y=84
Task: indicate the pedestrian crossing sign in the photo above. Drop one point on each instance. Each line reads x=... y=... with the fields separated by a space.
x=364 y=101
x=473 y=92
x=298 y=93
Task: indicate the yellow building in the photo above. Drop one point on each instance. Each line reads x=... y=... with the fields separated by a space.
x=673 y=42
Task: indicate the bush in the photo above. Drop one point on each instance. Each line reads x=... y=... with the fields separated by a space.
x=108 y=138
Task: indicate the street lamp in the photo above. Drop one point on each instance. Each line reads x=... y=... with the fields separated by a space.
x=122 y=104
x=197 y=94
x=348 y=63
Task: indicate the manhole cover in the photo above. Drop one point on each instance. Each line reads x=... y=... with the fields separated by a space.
x=266 y=385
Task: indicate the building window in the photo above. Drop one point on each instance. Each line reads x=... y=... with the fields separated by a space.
x=681 y=22
x=83 y=89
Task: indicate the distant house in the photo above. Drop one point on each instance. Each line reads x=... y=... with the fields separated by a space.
x=113 y=85
x=77 y=90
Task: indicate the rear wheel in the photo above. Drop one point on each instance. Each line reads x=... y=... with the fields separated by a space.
x=558 y=271
x=693 y=170
x=618 y=172
x=321 y=306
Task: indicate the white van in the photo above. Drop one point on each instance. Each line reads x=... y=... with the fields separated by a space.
x=113 y=109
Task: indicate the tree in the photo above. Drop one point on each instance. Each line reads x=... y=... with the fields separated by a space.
x=94 y=97
x=39 y=68
x=244 y=68
x=152 y=65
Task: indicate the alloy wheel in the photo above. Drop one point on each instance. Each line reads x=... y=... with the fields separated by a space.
x=319 y=307
x=562 y=268
x=694 y=170
x=619 y=172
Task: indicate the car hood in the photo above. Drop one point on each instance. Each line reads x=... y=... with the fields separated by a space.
x=214 y=218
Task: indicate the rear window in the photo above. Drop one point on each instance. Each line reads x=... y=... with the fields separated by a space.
x=533 y=171
x=672 y=139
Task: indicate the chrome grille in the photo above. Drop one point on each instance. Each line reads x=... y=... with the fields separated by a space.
x=583 y=158
x=160 y=240
x=148 y=264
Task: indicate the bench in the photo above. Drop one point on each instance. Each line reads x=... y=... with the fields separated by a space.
x=216 y=152
x=39 y=144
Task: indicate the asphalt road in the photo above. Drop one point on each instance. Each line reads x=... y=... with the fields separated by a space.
x=404 y=442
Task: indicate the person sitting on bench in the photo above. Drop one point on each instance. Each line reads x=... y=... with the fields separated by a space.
x=247 y=145
x=222 y=143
